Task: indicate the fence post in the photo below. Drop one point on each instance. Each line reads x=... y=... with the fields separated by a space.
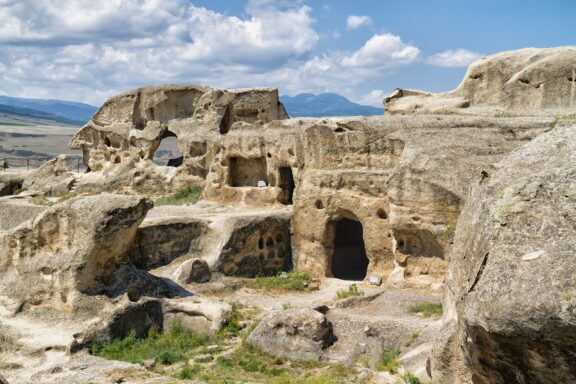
x=78 y=165
x=27 y=164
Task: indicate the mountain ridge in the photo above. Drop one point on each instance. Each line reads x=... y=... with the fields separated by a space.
x=325 y=105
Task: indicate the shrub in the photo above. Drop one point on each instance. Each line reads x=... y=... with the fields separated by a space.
x=409 y=378
x=388 y=361
x=427 y=308
x=352 y=291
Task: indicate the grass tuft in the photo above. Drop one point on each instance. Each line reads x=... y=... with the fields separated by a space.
x=292 y=281
x=189 y=195
x=352 y=291
x=427 y=308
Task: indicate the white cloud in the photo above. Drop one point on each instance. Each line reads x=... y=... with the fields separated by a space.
x=374 y=98
x=88 y=50
x=382 y=51
x=454 y=58
x=353 y=21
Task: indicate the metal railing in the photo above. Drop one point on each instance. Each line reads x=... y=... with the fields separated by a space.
x=7 y=163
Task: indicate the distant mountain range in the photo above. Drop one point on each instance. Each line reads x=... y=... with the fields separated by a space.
x=325 y=105
x=50 y=112
x=19 y=111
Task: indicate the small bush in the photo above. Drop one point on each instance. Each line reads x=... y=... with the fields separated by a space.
x=388 y=361
x=292 y=281
x=427 y=308
x=188 y=195
x=286 y=306
x=189 y=372
x=409 y=378
x=233 y=326
x=352 y=291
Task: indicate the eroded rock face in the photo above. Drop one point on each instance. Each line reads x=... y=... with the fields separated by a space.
x=511 y=282
x=524 y=82
x=71 y=248
x=299 y=334
x=123 y=135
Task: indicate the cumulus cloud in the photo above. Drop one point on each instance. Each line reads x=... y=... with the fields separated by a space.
x=382 y=51
x=454 y=58
x=353 y=21
x=88 y=50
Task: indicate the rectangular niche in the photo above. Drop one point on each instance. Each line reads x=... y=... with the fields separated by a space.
x=243 y=172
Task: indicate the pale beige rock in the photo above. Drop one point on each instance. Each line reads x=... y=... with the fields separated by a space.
x=511 y=301
x=299 y=334
x=124 y=133
x=524 y=82
x=53 y=178
x=71 y=248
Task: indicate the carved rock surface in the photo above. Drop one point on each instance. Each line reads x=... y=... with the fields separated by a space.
x=512 y=286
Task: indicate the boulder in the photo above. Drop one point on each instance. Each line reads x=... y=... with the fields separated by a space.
x=53 y=178
x=195 y=271
x=524 y=82
x=511 y=299
x=72 y=248
x=299 y=334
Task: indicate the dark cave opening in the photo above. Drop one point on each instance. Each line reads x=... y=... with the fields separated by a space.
x=349 y=260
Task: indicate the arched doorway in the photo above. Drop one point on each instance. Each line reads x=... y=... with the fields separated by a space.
x=349 y=260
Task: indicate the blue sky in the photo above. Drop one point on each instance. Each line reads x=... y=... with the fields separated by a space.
x=87 y=50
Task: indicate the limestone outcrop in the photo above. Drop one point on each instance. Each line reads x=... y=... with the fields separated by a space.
x=512 y=292
x=524 y=82
x=123 y=135
x=71 y=248
x=402 y=176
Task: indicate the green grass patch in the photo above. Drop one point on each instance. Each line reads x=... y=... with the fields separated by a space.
x=248 y=364
x=352 y=291
x=177 y=344
x=291 y=281
x=427 y=308
x=388 y=361
x=189 y=195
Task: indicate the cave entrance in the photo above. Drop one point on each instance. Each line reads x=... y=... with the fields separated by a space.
x=349 y=260
x=286 y=182
x=168 y=152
